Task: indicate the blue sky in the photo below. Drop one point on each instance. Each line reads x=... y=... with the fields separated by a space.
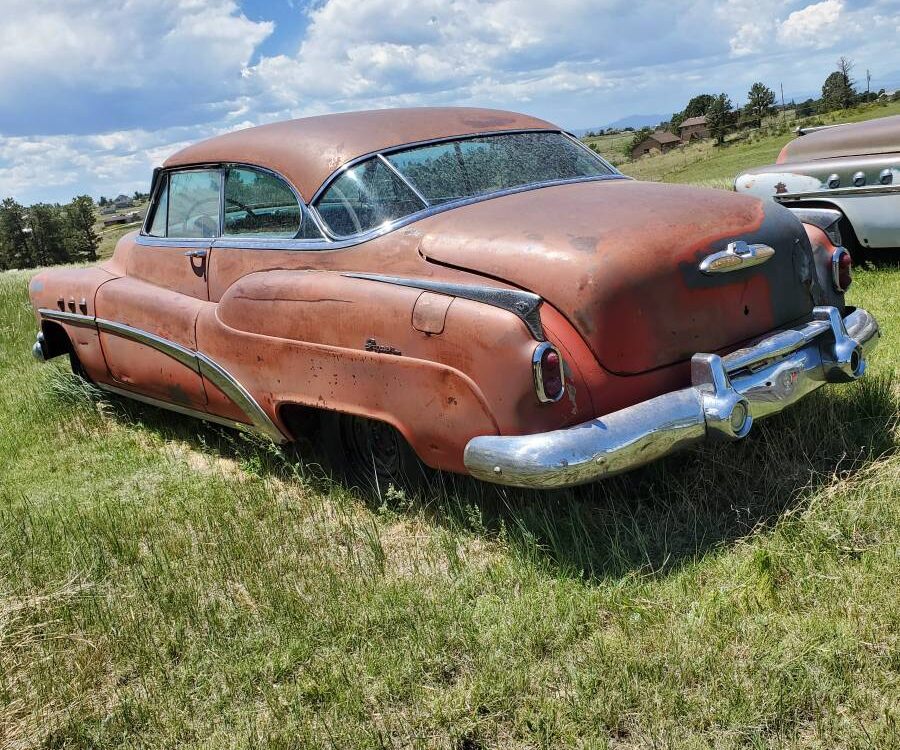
x=94 y=93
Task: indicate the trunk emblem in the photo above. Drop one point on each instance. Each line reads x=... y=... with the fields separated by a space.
x=735 y=256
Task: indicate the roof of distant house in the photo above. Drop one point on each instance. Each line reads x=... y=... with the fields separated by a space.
x=701 y=120
x=664 y=136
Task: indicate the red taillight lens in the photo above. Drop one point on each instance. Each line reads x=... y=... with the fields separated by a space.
x=841 y=269
x=548 y=373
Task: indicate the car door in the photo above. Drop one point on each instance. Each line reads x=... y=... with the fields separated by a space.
x=147 y=318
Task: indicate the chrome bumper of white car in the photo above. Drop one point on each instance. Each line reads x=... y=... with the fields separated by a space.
x=727 y=395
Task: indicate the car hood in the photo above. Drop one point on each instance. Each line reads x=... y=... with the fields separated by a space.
x=620 y=258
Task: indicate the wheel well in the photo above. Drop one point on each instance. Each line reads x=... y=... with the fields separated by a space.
x=56 y=340
x=301 y=422
x=848 y=234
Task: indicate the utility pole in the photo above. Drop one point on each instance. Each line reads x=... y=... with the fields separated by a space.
x=868 y=81
x=783 y=115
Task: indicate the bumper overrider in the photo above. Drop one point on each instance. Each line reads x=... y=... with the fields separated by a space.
x=726 y=396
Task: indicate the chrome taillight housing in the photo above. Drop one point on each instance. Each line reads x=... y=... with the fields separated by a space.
x=549 y=378
x=841 y=269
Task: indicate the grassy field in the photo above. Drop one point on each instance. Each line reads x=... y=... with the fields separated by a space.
x=164 y=583
x=717 y=166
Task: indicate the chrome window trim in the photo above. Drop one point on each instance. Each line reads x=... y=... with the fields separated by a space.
x=223 y=167
x=330 y=241
x=342 y=243
x=190 y=358
x=164 y=179
x=524 y=305
x=384 y=160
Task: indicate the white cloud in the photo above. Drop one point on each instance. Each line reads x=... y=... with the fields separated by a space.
x=93 y=93
x=166 y=61
x=815 y=25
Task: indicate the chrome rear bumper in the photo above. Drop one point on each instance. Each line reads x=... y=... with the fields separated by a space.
x=727 y=395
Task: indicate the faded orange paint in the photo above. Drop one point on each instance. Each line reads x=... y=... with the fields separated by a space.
x=615 y=261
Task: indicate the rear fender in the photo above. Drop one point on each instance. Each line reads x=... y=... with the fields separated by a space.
x=440 y=368
x=823 y=250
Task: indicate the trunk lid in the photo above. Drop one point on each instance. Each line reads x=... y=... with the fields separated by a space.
x=620 y=259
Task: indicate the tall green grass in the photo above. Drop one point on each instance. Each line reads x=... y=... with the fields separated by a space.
x=165 y=583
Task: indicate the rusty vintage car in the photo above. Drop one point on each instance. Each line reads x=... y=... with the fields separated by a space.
x=847 y=175
x=472 y=289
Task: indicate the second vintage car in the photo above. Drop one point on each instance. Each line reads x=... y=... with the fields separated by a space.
x=849 y=172
x=473 y=289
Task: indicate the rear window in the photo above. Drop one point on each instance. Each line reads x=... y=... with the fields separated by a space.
x=456 y=169
x=371 y=194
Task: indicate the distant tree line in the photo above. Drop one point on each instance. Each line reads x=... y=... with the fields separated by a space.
x=722 y=117
x=47 y=234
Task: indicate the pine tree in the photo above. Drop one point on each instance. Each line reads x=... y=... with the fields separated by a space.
x=82 y=240
x=48 y=236
x=15 y=250
x=719 y=117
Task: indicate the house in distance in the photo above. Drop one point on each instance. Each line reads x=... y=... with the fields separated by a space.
x=694 y=129
x=661 y=141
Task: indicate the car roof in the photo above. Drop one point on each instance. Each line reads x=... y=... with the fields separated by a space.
x=307 y=150
x=879 y=136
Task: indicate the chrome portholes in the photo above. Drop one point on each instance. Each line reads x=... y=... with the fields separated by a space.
x=190 y=358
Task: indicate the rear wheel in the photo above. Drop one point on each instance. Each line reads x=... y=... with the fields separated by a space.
x=78 y=368
x=370 y=454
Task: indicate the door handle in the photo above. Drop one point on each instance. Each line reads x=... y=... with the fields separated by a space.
x=196 y=253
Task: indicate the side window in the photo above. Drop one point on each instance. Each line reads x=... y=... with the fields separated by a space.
x=193 y=203
x=161 y=212
x=365 y=197
x=259 y=204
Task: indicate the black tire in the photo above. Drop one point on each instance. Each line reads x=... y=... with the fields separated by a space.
x=370 y=454
x=78 y=368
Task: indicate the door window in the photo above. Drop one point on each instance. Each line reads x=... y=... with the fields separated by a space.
x=193 y=207
x=260 y=204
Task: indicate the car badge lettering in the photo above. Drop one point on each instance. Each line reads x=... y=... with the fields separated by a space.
x=735 y=256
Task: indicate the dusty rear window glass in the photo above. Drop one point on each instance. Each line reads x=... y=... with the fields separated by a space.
x=365 y=197
x=473 y=166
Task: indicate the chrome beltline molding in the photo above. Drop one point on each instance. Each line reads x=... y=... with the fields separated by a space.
x=190 y=358
x=524 y=305
x=341 y=243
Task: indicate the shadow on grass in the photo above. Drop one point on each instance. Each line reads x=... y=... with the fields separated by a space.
x=885 y=258
x=648 y=521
